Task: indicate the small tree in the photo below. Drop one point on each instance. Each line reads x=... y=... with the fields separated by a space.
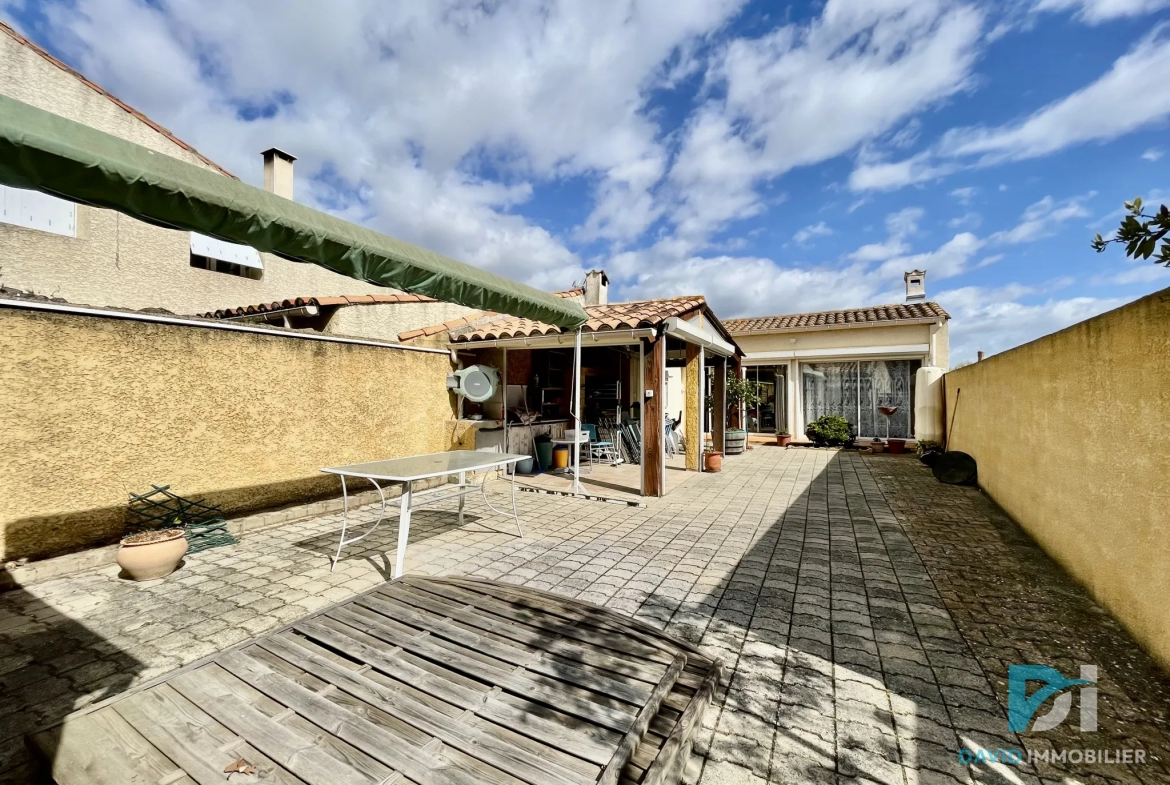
x=1141 y=232
x=743 y=392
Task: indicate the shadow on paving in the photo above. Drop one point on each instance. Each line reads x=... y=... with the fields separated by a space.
x=868 y=628
x=50 y=665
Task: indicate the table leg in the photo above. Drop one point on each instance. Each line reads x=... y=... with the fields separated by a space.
x=515 y=513
x=462 y=487
x=403 y=530
x=344 y=522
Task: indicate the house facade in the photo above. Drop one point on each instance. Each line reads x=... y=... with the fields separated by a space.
x=86 y=255
x=849 y=362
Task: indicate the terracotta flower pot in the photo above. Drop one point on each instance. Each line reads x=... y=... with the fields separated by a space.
x=151 y=555
x=712 y=461
x=897 y=446
x=783 y=439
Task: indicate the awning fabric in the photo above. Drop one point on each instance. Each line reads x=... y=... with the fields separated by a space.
x=202 y=245
x=51 y=154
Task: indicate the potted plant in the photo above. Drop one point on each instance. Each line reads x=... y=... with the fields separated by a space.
x=830 y=430
x=740 y=392
x=783 y=438
x=897 y=446
x=712 y=461
x=928 y=450
x=877 y=445
x=151 y=554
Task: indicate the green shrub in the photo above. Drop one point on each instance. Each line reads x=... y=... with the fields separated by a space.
x=830 y=430
x=928 y=445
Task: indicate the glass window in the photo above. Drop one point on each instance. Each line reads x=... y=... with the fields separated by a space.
x=860 y=391
x=830 y=388
x=772 y=412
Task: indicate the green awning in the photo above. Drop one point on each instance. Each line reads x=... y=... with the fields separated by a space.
x=45 y=152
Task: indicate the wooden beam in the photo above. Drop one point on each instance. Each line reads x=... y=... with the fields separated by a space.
x=694 y=407
x=719 y=403
x=653 y=416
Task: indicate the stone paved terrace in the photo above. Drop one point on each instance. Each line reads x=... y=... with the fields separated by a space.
x=867 y=613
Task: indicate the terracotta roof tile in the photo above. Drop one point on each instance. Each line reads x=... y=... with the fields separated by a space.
x=114 y=99
x=872 y=315
x=614 y=316
x=300 y=302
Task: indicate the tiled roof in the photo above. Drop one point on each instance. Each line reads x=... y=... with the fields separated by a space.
x=301 y=302
x=872 y=315
x=25 y=42
x=614 y=316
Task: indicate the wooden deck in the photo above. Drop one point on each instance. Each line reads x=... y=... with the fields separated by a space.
x=427 y=681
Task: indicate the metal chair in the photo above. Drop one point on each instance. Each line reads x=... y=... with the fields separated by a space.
x=601 y=444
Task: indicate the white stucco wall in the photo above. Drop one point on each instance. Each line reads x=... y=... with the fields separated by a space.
x=115 y=260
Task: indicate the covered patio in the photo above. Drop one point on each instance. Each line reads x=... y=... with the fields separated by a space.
x=609 y=376
x=860 y=644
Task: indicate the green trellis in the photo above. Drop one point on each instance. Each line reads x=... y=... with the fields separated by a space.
x=203 y=524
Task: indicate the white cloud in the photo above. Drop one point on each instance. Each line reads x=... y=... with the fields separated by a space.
x=1042 y=218
x=1153 y=154
x=968 y=220
x=948 y=260
x=964 y=195
x=899 y=226
x=806 y=234
x=1097 y=11
x=802 y=94
x=994 y=319
x=401 y=109
x=1132 y=95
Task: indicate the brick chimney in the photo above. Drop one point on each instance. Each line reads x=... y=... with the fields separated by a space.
x=596 y=288
x=278 y=172
x=915 y=285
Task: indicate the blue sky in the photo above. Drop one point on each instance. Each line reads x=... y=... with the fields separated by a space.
x=775 y=158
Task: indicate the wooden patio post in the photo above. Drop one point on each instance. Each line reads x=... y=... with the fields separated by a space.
x=719 y=403
x=694 y=412
x=653 y=416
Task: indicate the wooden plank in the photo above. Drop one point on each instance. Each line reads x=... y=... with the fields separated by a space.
x=300 y=755
x=719 y=403
x=586 y=741
x=551 y=623
x=638 y=729
x=680 y=739
x=653 y=416
x=359 y=644
x=582 y=676
x=576 y=737
x=197 y=743
x=591 y=706
x=529 y=765
x=103 y=749
x=620 y=626
x=531 y=638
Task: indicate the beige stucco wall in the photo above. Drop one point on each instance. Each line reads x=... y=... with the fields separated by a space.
x=385 y=321
x=1070 y=435
x=115 y=260
x=96 y=408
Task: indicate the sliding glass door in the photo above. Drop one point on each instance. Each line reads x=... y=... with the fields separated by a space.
x=858 y=391
x=771 y=415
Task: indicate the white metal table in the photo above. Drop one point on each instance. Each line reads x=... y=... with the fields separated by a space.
x=407 y=471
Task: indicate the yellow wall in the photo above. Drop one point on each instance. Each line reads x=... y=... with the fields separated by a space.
x=96 y=408
x=1070 y=433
